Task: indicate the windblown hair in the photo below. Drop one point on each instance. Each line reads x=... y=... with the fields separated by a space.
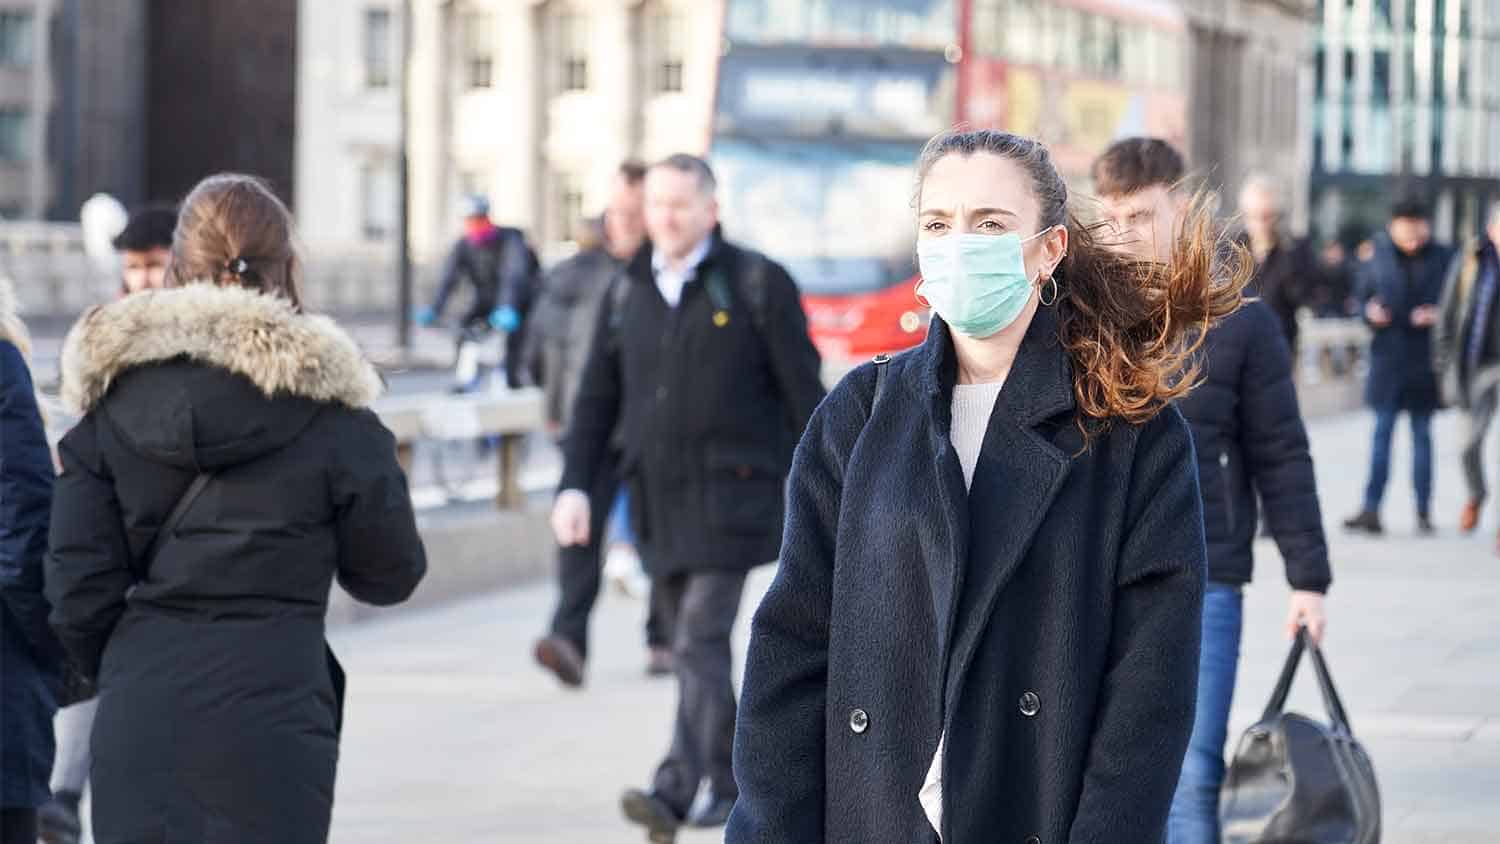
x=234 y=232
x=1132 y=327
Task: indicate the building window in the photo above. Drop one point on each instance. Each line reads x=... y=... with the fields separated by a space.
x=377 y=197
x=668 y=49
x=573 y=41
x=569 y=199
x=1380 y=77
x=15 y=39
x=479 y=53
x=15 y=135
x=377 y=48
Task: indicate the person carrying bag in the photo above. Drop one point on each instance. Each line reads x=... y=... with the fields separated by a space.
x=1294 y=780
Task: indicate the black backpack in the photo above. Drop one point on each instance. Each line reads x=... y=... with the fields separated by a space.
x=1294 y=780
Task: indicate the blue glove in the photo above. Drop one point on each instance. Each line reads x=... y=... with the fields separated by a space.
x=425 y=317
x=505 y=319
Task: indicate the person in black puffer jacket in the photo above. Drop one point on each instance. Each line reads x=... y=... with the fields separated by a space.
x=1250 y=441
x=226 y=470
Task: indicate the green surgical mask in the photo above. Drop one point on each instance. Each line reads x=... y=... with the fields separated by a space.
x=976 y=282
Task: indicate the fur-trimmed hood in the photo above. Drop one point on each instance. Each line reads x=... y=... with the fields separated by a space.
x=258 y=336
x=12 y=330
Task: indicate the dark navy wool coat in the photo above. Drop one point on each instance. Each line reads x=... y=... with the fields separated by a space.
x=30 y=656
x=1402 y=376
x=1048 y=620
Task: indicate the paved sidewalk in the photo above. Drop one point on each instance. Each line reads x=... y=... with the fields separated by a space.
x=453 y=736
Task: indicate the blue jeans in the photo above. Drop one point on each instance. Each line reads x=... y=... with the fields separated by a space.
x=1380 y=459
x=1194 y=818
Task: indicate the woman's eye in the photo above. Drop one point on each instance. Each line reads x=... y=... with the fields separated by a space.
x=935 y=227
x=992 y=227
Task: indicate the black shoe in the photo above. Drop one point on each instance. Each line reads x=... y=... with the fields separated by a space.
x=1367 y=521
x=562 y=658
x=57 y=821
x=1424 y=525
x=644 y=808
x=660 y=663
x=714 y=813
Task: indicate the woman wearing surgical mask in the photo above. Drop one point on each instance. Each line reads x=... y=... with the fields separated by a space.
x=985 y=624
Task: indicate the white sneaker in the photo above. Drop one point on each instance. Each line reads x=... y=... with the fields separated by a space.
x=622 y=567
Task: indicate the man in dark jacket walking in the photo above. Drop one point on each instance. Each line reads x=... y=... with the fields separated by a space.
x=564 y=322
x=500 y=266
x=706 y=368
x=1466 y=354
x=1399 y=289
x=31 y=658
x=1249 y=437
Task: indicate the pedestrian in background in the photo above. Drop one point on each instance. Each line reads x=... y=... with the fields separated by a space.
x=501 y=267
x=145 y=247
x=566 y=316
x=1284 y=266
x=985 y=624
x=225 y=471
x=31 y=660
x=1466 y=354
x=1250 y=442
x=704 y=365
x=1398 y=290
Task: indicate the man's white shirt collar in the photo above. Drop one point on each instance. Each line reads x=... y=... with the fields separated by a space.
x=671 y=282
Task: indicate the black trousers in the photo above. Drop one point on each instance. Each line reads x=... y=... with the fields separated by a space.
x=579 y=570
x=706 y=604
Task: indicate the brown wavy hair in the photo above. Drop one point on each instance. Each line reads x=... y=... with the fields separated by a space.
x=234 y=231
x=1132 y=327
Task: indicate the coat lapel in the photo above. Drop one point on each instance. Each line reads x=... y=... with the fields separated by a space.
x=1019 y=474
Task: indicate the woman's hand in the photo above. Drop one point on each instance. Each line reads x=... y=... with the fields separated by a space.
x=1307 y=611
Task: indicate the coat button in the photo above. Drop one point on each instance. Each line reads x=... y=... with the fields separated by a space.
x=661 y=393
x=1030 y=704
x=859 y=721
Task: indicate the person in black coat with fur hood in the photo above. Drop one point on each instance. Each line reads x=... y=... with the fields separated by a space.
x=227 y=469
x=985 y=624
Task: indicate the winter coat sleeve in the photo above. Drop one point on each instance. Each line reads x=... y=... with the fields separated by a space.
x=779 y=736
x=1449 y=325
x=1147 y=697
x=794 y=359
x=448 y=279
x=381 y=558
x=1273 y=440
x=26 y=479
x=596 y=409
x=517 y=282
x=88 y=561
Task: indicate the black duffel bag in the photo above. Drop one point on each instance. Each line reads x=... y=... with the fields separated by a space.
x=1294 y=780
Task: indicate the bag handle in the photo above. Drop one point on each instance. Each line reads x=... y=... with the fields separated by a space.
x=1331 y=700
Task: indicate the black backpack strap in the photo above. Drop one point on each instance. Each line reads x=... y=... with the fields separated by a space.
x=174 y=520
x=619 y=292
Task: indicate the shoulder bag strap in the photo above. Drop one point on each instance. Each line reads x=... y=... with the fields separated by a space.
x=1331 y=698
x=174 y=519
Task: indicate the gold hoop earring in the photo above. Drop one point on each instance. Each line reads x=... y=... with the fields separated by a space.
x=1043 y=296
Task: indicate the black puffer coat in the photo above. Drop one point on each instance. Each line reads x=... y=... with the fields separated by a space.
x=1250 y=439
x=219 y=702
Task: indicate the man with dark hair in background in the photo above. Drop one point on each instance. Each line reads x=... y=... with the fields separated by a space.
x=1399 y=289
x=563 y=324
x=1250 y=440
x=704 y=366
x=145 y=247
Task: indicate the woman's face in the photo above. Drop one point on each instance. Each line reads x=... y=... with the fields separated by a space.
x=987 y=194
